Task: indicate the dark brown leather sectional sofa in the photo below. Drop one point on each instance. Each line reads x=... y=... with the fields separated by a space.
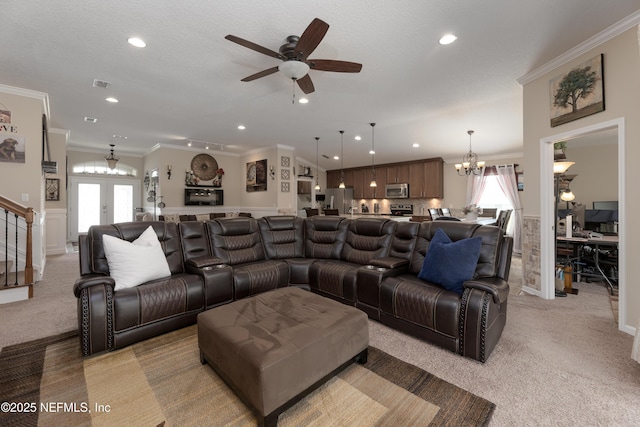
x=370 y=263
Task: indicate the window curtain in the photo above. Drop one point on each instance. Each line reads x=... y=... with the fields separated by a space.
x=508 y=183
x=475 y=187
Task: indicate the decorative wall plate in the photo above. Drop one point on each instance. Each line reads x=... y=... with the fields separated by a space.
x=204 y=167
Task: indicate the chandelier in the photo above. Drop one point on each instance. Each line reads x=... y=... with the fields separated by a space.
x=112 y=161
x=470 y=164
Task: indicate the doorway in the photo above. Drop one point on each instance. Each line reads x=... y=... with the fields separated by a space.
x=547 y=211
x=98 y=201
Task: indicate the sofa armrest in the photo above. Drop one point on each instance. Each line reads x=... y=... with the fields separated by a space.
x=217 y=280
x=498 y=288
x=95 y=294
x=204 y=261
x=389 y=262
x=90 y=280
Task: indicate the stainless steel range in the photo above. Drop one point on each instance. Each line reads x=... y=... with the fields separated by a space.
x=398 y=209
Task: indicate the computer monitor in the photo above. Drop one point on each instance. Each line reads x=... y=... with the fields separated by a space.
x=609 y=206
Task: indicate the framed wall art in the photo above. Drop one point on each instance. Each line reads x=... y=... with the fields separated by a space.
x=256 y=175
x=52 y=189
x=12 y=148
x=577 y=93
x=520 y=180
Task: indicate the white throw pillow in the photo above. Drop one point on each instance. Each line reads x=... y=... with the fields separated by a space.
x=134 y=263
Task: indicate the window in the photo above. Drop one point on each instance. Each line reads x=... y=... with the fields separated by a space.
x=101 y=168
x=493 y=196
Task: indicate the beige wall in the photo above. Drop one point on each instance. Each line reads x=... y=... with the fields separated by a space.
x=58 y=146
x=622 y=99
x=172 y=189
x=24 y=178
x=597 y=173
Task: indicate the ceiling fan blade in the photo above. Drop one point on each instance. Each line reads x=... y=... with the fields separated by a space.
x=335 y=66
x=262 y=73
x=306 y=84
x=253 y=46
x=311 y=38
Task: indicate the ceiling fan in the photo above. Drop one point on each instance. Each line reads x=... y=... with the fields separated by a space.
x=294 y=52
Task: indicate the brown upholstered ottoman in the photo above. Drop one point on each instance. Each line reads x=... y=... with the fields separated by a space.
x=276 y=347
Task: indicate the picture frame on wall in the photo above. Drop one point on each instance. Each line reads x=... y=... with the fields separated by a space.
x=577 y=93
x=256 y=176
x=12 y=148
x=52 y=190
x=520 y=180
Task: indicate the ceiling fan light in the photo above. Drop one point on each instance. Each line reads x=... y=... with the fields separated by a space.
x=294 y=69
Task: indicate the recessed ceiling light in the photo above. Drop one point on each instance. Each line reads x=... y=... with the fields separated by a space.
x=447 y=39
x=372 y=152
x=111 y=99
x=241 y=127
x=90 y=119
x=189 y=144
x=120 y=137
x=336 y=158
x=137 y=42
x=415 y=145
x=206 y=148
x=357 y=138
x=303 y=101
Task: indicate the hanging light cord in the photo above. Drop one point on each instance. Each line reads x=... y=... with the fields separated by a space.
x=342 y=156
x=373 y=155
x=317 y=164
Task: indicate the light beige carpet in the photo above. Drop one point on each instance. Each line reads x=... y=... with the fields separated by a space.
x=162 y=382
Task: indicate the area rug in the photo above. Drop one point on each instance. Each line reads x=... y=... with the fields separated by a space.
x=160 y=381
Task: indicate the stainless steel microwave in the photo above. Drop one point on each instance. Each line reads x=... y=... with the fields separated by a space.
x=396 y=191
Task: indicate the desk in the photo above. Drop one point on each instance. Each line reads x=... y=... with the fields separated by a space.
x=596 y=242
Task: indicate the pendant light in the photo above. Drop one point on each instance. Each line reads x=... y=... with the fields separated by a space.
x=342 y=186
x=373 y=156
x=317 y=187
x=112 y=160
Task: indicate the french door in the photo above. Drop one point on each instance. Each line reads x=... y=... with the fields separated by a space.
x=96 y=201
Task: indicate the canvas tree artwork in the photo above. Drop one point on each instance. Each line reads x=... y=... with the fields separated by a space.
x=578 y=93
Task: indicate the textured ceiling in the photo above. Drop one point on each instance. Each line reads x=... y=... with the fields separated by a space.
x=186 y=83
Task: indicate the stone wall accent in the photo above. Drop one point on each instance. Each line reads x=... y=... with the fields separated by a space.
x=531 y=252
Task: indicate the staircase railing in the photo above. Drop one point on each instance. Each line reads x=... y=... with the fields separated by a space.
x=17 y=210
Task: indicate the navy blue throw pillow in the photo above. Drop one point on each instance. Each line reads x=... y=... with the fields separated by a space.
x=450 y=264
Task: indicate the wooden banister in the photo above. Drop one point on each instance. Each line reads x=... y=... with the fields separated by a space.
x=27 y=214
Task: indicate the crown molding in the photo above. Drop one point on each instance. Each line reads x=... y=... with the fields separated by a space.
x=28 y=93
x=59 y=131
x=104 y=152
x=192 y=149
x=591 y=43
